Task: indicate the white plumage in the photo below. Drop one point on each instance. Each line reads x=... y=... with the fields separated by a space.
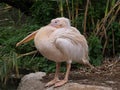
x=61 y=42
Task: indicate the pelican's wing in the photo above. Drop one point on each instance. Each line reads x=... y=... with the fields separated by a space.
x=75 y=29
x=72 y=34
x=72 y=44
x=28 y=38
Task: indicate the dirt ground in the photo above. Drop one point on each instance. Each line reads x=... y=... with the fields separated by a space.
x=108 y=74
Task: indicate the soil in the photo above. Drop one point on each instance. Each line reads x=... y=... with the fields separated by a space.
x=108 y=74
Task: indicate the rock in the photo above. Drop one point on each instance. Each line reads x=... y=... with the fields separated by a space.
x=110 y=82
x=33 y=81
x=76 y=86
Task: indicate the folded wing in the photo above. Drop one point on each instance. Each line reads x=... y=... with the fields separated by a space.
x=72 y=44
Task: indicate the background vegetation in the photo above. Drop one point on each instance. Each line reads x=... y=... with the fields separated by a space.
x=98 y=20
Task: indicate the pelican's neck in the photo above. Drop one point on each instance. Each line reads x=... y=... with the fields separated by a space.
x=45 y=32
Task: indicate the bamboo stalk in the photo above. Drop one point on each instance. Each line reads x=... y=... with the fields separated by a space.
x=68 y=9
x=17 y=71
x=113 y=17
x=61 y=8
x=106 y=41
x=72 y=12
x=85 y=17
x=105 y=19
x=5 y=79
x=15 y=65
x=76 y=10
x=92 y=19
x=110 y=12
x=106 y=9
x=113 y=3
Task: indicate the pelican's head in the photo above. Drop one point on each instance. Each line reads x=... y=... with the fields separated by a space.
x=61 y=22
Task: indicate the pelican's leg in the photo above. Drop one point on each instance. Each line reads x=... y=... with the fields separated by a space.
x=62 y=82
x=56 y=78
x=87 y=63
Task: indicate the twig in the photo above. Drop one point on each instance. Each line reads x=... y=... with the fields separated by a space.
x=106 y=41
x=113 y=17
x=26 y=54
x=113 y=64
x=113 y=41
x=105 y=19
x=6 y=8
x=4 y=20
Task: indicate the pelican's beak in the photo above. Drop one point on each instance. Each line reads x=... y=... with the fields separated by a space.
x=27 y=39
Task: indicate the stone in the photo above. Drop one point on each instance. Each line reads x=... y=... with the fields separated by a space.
x=110 y=82
x=76 y=86
x=33 y=81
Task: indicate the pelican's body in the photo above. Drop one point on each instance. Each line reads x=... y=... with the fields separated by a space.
x=60 y=45
x=60 y=42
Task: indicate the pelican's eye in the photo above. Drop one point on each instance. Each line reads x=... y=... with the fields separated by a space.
x=55 y=21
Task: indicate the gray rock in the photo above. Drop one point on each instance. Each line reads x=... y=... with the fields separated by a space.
x=33 y=81
x=110 y=82
x=76 y=86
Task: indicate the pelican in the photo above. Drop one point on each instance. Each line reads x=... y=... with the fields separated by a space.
x=60 y=42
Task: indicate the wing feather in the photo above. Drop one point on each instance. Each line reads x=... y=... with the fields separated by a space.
x=71 y=43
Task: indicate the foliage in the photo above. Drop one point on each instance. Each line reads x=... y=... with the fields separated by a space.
x=10 y=62
x=7 y=64
x=42 y=11
x=114 y=39
x=95 y=50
